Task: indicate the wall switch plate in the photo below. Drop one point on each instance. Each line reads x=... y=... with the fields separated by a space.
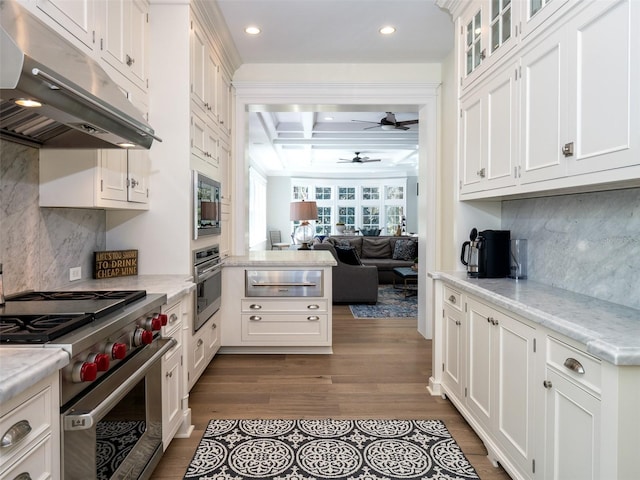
x=75 y=273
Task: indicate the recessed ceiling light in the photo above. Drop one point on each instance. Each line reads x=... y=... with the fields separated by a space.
x=388 y=30
x=27 y=102
x=252 y=30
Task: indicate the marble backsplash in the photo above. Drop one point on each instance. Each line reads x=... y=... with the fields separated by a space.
x=39 y=245
x=587 y=243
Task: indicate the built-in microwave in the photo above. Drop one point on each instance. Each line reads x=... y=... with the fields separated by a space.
x=206 y=205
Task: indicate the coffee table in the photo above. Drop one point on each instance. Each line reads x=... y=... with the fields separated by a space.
x=409 y=280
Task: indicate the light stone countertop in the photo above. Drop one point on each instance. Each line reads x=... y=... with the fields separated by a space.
x=609 y=331
x=23 y=367
x=173 y=286
x=282 y=258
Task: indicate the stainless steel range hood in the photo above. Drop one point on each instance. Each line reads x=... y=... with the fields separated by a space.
x=81 y=106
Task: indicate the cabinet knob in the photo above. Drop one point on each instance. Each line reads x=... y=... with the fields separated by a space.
x=255 y=306
x=255 y=318
x=452 y=299
x=574 y=365
x=214 y=326
x=313 y=318
x=313 y=307
x=130 y=60
x=169 y=374
x=199 y=343
x=481 y=173
x=567 y=149
x=134 y=183
x=23 y=476
x=458 y=322
x=547 y=384
x=173 y=318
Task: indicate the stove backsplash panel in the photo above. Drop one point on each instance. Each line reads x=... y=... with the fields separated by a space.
x=588 y=243
x=39 y=245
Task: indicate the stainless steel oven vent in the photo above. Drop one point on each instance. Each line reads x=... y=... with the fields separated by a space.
x=81 y=106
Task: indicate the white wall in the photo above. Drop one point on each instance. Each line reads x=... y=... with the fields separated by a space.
x=278 y=200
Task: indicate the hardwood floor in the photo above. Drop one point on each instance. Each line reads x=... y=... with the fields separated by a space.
x=379 y=369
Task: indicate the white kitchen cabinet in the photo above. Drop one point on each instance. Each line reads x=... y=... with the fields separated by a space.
x=204 y=146
x=75 y=16
x=203 y=345
x=223 y=105
x=109 y=178
x=500 y=380
x=274 y=324
x=213 y=335
x=487 y=32
x=488 y=133
x=534 y=14
x=571 y=126
x=204 y=73
x=542 y=405
x=454 y=343
x=573 y=413
x=36 y=450
x=226 y=182
x=123 y=31
x=172 y=381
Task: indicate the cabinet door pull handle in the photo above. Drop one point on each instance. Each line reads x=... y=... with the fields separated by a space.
x=452 y=299
x=255 y=306
x=169 y=374
x=313 y=318
x=255 y=318
x=458 y=322
x=130 y=60
x=313 y=307
x=481 y=173
x=214 y=326
x=547 y=384
x=489 y=319
x=23 y=476
x=574 y=365
x=15 y=434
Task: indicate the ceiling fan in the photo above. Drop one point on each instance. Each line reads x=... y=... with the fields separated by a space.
x=390 y=123
x=358 y=159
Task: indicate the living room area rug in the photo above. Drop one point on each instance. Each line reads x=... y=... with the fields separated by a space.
x=328 y=449
x=391 y=303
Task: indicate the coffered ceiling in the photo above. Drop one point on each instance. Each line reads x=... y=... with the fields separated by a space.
x=295 y=142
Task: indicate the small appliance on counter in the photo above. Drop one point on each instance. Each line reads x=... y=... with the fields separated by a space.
x=487 y=254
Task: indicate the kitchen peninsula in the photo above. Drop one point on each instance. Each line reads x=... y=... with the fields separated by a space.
x=277 y=302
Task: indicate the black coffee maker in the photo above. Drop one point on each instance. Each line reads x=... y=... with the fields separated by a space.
x=486 y=255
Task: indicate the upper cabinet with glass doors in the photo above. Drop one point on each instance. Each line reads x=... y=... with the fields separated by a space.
x=490 y=29
x=487 y=32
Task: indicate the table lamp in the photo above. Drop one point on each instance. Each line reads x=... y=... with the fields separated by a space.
x=303 y=212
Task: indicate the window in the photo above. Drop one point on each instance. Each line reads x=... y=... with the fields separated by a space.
x=257 y=208
x=323 y=225
x=364 y=204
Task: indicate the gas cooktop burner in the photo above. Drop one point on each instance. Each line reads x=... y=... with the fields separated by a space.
x=38 y=328
x=127 y=295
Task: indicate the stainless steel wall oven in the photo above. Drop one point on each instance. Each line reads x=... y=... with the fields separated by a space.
x=207 y=268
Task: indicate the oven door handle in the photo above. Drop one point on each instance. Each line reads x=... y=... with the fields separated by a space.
x=86 y=420
x=208 y=272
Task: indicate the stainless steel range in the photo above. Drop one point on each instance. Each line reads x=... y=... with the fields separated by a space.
x=111 y=409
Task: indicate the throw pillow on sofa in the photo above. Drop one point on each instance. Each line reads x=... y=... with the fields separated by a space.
x=405 y=250
x=376 y=247
x=348 y=255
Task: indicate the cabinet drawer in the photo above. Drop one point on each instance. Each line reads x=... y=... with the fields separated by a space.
x=452 y=298
x=301 y=329
x=575 y=364
x=38 y=462
x=255 y=305
x=174 y=320
x=34 y=413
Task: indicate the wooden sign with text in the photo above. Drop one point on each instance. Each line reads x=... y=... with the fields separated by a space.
x=115 y=263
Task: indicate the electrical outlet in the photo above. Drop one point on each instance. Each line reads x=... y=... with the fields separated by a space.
x=75 y=273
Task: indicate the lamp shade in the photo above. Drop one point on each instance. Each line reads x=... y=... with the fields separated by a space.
x=303 y=210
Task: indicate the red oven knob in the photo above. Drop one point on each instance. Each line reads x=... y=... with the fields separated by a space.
x=153 y=324
x=101 y=360
x=84 y=372
x=163 y=318
x=117 y=350
x=142 y=337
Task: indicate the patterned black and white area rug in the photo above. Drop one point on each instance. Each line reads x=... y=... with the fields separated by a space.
x=328 y=449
